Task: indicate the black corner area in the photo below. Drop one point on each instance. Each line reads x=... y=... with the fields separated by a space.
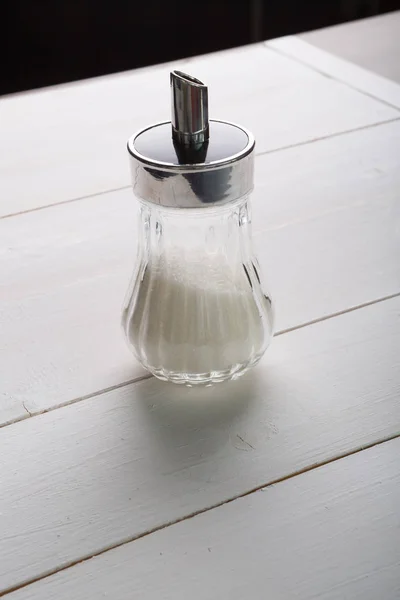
x=46 y=42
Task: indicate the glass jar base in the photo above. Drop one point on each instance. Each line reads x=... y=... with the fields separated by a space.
x=191 y=379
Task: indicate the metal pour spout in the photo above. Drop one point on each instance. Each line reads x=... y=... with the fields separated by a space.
x=189 y=104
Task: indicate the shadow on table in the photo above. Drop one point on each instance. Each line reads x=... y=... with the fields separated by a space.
x=190 y=424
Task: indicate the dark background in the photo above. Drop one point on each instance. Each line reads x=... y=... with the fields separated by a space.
x=44 y=42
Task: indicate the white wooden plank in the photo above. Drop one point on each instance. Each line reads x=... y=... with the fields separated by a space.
x=93 y=474
x=372 y=43
x=331 y=534
x=329 y=220
x=326 y=219
x=339 y=68
x=67 y=142
x=64 y=276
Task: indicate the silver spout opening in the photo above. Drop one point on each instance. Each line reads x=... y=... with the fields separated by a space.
x=189 y=110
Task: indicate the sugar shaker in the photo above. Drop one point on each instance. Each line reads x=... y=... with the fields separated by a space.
x=195 y=312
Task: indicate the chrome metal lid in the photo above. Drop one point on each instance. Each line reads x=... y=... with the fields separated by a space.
x=190 y=162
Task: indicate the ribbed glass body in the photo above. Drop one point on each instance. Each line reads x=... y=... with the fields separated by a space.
x=195 y=311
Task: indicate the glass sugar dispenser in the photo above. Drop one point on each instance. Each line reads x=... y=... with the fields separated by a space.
x=195 y=312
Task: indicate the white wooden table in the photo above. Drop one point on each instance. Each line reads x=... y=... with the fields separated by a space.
x=284 y=484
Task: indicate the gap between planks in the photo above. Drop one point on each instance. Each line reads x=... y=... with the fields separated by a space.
x=149 y=375
x=279 y=149
x=134 y=538
x=329 y=75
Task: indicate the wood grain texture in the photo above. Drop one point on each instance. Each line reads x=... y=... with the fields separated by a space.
x=78 y=480
x=327 y=239
x=338 y=68
x=329 y=534
x=66 y=142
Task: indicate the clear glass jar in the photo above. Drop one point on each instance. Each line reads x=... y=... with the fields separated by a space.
x=195 y=311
